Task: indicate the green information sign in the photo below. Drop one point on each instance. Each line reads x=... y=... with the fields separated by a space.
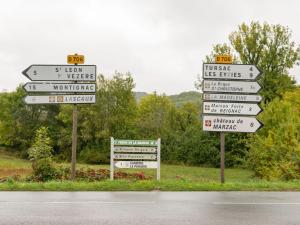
x=136 y=142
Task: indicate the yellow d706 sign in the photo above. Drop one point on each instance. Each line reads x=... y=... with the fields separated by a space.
x=75 y=59
x=223 y=59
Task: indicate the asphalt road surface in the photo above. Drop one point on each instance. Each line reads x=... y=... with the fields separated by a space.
x=145 y=208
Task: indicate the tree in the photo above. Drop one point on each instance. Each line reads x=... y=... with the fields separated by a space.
x=274 y=152
x=271 y=49
x=113 y=115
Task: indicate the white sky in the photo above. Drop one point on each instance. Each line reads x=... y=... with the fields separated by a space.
x=161 y=42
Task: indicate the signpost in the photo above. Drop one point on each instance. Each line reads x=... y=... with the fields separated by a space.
x=61 y=73
x=59 y=87
x=75 y=59
x=230 y=124
x=135 y=156
x=230 y=72
x=59 y=99
x=136 y=164
x=223 y=59
x=231 y=97
x=228 y=108
x=128 y=149
x=230 y=86
x=228 y=90
x=71 y=74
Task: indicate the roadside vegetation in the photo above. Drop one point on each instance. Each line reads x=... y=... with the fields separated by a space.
x=267 y=160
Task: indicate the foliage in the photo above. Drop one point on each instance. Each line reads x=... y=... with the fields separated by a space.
x=275 y=150
x=271 y=49
x=41 y=156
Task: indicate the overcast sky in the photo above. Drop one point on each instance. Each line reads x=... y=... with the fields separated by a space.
x=160 y=42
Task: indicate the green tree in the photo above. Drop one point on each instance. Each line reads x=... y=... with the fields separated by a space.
x=274 y=152
x=113 y=115
x=271 y=49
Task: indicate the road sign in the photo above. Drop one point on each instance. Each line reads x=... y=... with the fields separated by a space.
x=230 y=86
x=136 y=142
x=136 y=164
x=59 y=87
x=134 y=149
x=135 y=156
x=75 y=59
x=60 y=99
x=230 y=71
x=230 y=124
x=224 y=59
x=228 y=108
x=61 y=73
x=231 y=97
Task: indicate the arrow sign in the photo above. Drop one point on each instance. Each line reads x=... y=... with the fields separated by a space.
x=136 y=164
x=230 y=72
x=231 y=108
x=230 y=86
x=231 y=97
x=60 y=99
x=135 y=156
x=134 y=149
x=59 y=87
x=230 y=124
x=136 y=142
x=61 y=72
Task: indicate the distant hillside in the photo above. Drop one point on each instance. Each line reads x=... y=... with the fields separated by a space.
x=184 y=97
x=139 y=95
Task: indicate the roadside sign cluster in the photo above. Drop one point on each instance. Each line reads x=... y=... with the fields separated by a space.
x=64 y=84
x=138 y=154
x=229 y=97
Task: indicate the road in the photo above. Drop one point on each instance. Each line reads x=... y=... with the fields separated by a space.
x=147 y=208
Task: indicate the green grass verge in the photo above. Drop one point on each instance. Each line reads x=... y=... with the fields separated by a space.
x=173 y=178
x=166 y=185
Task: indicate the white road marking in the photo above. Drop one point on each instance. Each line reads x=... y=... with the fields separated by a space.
x=256 y=203
x=71 y=202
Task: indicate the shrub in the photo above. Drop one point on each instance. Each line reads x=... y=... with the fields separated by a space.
x=274 y=152
x=41 y=156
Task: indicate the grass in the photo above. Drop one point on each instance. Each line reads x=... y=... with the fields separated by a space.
x=173 y=178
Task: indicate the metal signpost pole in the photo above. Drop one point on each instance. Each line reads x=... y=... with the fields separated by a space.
x=222 y=151
x=74 y=139
x=112 y=158
x=158 y=160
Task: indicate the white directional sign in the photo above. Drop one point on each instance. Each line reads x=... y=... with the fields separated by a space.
x=230 y=124
x=136 y=164
x=135 y=149
x=61 y=72
x=231 y=97
x=231 y=108
x=60 y=99
x=59 y=87
x=230 y=71
x=135 y=156
x=230 y=86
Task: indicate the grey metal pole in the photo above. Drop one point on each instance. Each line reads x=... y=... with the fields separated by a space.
x=112 y=158
x=222 y=147
x=74 y=141
x=158 y=160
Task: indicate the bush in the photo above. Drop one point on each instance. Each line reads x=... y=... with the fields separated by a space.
x=274 y=152
x=93 y=155
x=41 y=156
